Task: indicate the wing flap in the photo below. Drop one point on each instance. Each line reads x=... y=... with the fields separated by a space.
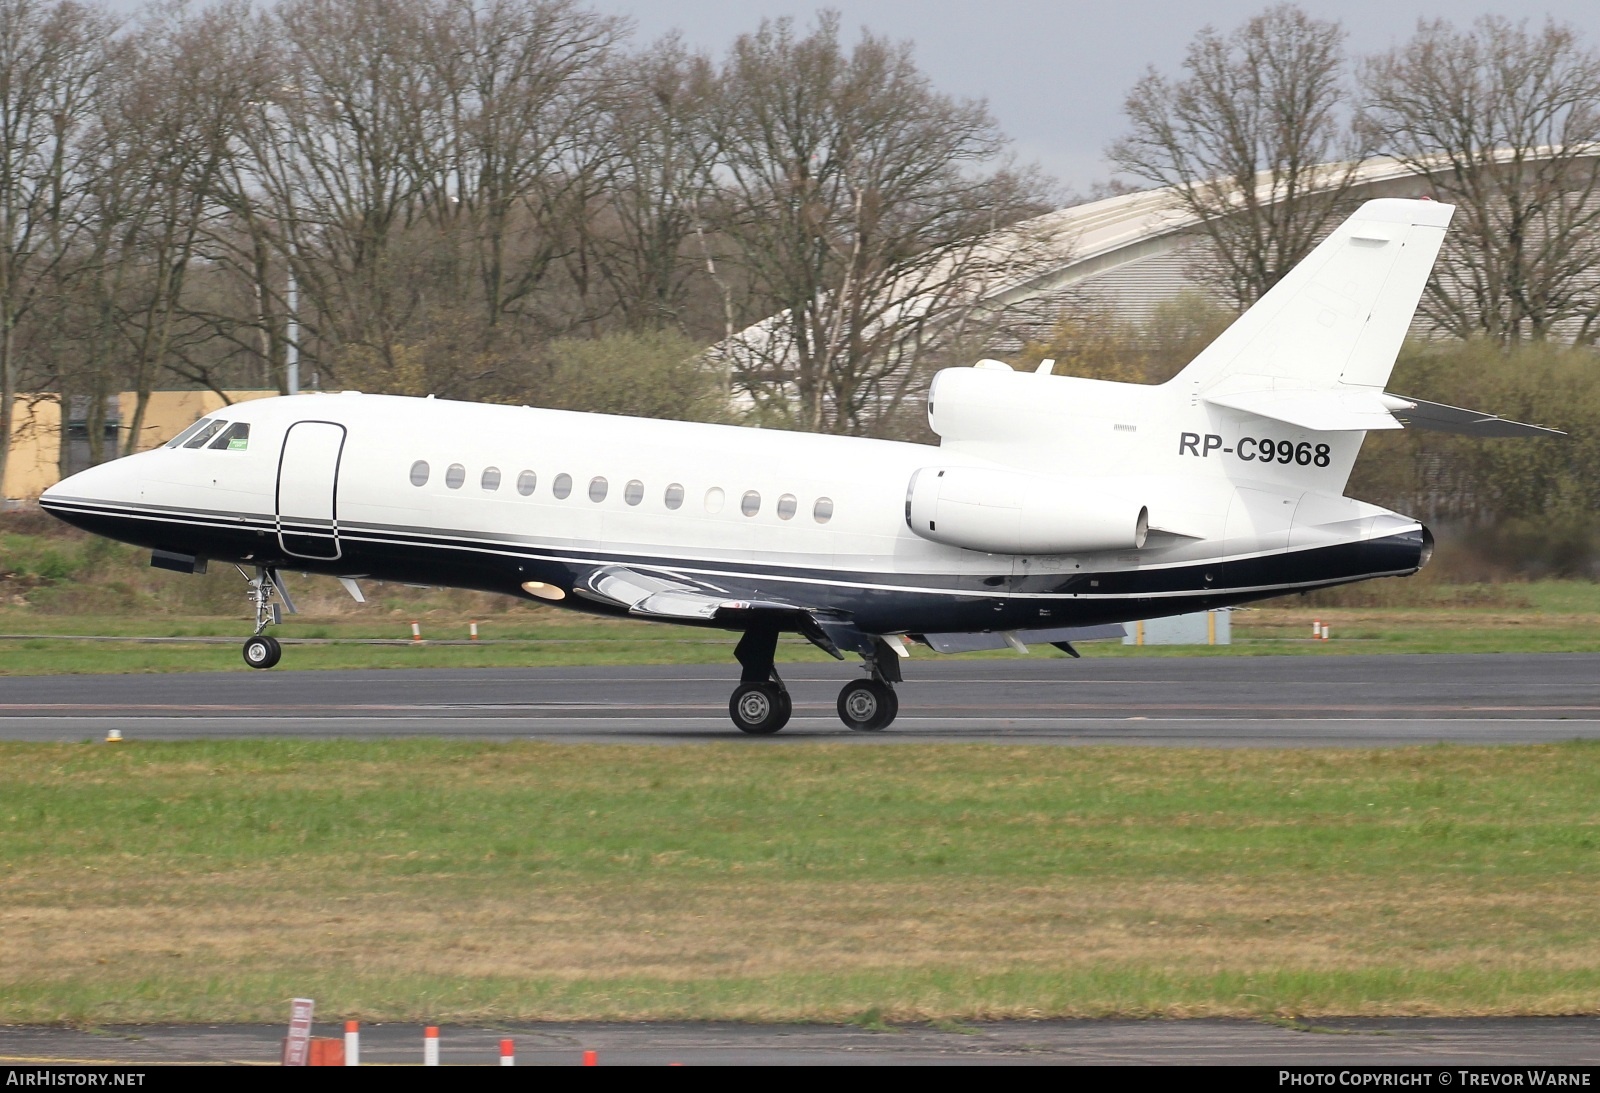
x=675 y=596
x=983 y=640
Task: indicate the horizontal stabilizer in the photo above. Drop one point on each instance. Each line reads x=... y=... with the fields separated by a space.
x=1422 y=414
x=1336 y=411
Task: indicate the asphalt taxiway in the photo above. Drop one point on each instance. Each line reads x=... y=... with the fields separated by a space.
x=1270 y=701
x=1429 y=1042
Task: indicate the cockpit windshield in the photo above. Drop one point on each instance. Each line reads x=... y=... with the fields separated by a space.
x=236 y=439
x=214 y=433
x=178 y=441
x=198 y=440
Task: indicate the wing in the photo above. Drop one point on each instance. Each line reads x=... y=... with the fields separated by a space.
x=1061 y=637
x=667 y=595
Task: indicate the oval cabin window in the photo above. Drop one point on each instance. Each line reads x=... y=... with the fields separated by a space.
x=454 y=475
x=714 y=499
x=750 y=503
x=633 y=493
x=823 y=512
x=491 y=478
x=562 y=487
x=597 y=489
x=419 y=473
x=526 y=481
x=674 y=496
x=787 y=505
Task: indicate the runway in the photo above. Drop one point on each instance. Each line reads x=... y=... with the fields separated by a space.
x=1335 y=1042
x=1285 y=701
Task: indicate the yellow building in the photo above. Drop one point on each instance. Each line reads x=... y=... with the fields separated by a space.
x=34 y=464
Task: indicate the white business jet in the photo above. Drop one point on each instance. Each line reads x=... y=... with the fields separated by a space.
x=1052 y=503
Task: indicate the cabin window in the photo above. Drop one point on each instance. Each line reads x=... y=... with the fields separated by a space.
x=714 y=499
x=787 y=506
x=177 y=441
x=491 y=478
x=822 y=512
x=562 y=487
x=236 y=439
x=526 y=481
x=199 y=438
x=455 y=475
x=750 y=503
x=674 y=496
x=419 y=473
x=633 y=493
x=597 y=489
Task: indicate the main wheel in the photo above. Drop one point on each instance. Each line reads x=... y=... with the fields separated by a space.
x=760 y=708
x=867 y=705
x=262 y=651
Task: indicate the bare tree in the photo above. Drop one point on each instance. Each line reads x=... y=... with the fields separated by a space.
x=184 y=87
x=1504 y=122
x=658 y=184
x=338 y=157
x=857 y=199
x=522 y=86
x=1252 y=141
x=51 y=58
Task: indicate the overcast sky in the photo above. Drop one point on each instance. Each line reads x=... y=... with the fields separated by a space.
x=1055 y=71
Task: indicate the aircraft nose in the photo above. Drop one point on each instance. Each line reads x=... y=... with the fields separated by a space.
x=83 y=496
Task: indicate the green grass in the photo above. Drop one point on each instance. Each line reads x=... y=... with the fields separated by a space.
x=419 y=879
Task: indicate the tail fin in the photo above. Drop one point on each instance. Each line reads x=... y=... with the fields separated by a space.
x=1337 y=320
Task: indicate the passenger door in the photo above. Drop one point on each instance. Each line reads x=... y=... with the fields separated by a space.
x=308 y=490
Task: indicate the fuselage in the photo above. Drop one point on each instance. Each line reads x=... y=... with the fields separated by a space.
x=503 y=498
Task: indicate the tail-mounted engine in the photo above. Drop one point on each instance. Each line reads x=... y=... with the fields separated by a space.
x=1010 y=512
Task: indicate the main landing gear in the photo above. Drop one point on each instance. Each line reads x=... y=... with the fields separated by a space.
x=761 y=704
x=262 y=650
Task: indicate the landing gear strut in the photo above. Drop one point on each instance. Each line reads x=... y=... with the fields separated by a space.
x=261 y=650
x=760 y=704
x=868 y=705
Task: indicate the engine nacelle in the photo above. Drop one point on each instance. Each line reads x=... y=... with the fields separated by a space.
x=1011 y=512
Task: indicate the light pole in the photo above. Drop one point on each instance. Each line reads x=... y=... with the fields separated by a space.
x=291 y=326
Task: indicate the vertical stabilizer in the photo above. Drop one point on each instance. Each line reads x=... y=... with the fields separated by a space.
x=1337 y=320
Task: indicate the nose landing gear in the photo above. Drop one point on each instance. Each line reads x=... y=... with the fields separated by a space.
x=261 y=650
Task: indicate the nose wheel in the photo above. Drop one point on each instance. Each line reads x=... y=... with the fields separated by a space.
x=262 y=651
x=867 y=705
x=268 y=597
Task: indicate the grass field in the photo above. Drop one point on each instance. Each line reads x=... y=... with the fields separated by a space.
x=430 y=880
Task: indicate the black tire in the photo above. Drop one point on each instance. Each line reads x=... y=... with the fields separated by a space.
x=867 y=705
x=262 y=651
x=760 y=708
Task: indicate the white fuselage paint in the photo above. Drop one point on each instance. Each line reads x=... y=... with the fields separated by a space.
x=1204 y=505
